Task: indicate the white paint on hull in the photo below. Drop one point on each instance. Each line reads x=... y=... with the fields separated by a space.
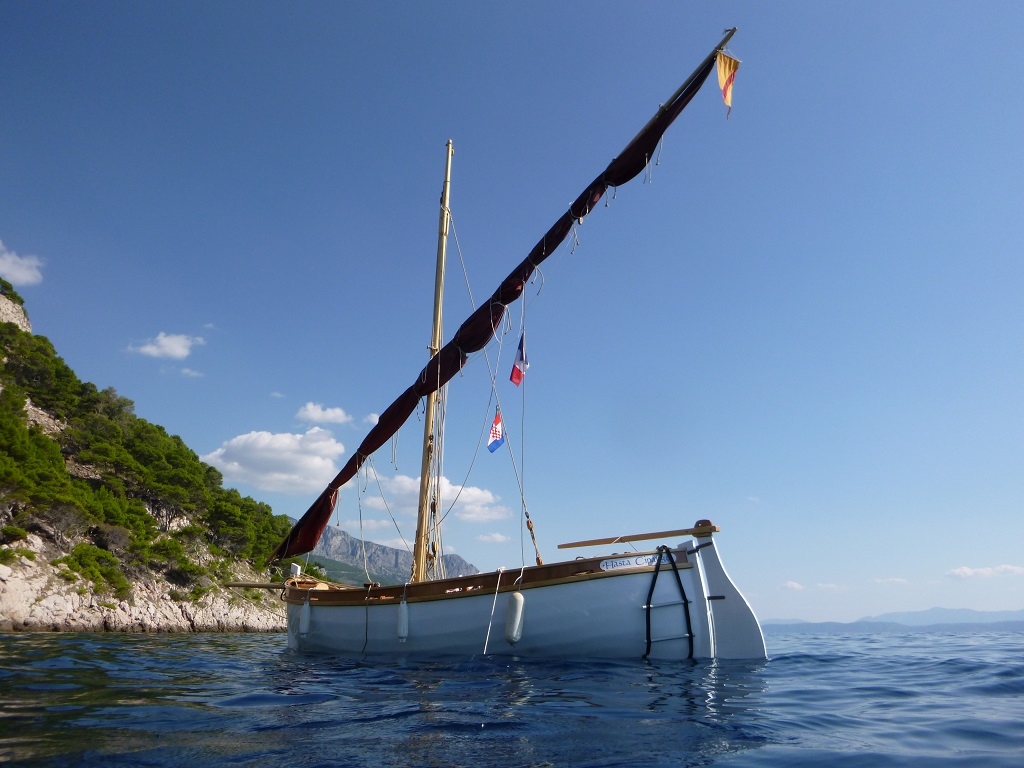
x=591 y=618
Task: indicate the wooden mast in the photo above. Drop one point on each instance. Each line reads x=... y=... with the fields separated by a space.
x=424 y=515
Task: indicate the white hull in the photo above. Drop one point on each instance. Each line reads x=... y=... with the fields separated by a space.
x=599 y=610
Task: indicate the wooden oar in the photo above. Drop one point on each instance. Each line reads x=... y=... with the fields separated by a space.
x=702 y=528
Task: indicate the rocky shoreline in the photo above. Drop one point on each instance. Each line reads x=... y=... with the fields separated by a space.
x=35 y=597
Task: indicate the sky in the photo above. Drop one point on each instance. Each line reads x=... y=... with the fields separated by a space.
x=805 y=322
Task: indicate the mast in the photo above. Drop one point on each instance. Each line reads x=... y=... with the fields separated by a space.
x=424 y=513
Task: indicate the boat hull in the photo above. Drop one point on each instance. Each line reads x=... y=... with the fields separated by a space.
x=674 y=603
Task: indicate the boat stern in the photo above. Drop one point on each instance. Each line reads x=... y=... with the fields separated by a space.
x=735 y=629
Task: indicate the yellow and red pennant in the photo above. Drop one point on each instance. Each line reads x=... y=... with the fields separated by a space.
x=727 y=67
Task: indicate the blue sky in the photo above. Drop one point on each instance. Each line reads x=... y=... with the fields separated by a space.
x=805 y=324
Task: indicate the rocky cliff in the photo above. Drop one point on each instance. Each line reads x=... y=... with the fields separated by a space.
x=38 y=595
x=10 y=312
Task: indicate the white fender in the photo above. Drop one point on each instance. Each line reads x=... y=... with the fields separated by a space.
x=403 y=621
x=514 y=618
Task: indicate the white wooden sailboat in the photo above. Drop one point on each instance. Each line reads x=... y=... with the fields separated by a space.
x=674 y=600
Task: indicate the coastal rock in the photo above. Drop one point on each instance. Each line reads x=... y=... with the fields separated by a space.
x=40 y=418
x=10 y=312
x=36 y=595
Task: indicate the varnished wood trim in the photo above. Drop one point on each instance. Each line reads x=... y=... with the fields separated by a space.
x=318 y=592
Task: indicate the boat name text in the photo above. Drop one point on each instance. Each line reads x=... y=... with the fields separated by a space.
x=639 y=561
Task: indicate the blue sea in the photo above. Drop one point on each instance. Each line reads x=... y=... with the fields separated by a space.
x=910 y=699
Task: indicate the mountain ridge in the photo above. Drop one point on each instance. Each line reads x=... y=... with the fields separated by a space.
x=945 y=616
x=929 y=620
x=386 y=565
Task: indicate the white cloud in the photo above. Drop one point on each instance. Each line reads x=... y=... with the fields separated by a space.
x=372 y=418
x=794 y=585
x=474 y=505
x=892 y=580
x=401 y=494
x=276 y=394
x=493 y=538
x=20 y=270
x=281 y=462
x=964 y=572
x=176 y=346
x=477 y=505
x=316 y=413
x=190 y=373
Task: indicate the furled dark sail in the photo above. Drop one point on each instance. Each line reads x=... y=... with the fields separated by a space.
x=478 y=329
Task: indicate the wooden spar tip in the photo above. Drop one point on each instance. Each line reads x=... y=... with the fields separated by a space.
x=254 y=584
x=700 y=528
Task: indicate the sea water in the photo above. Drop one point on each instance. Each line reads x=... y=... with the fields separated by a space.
x=244 y=700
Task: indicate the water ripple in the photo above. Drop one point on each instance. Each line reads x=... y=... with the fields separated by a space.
x=243 y=700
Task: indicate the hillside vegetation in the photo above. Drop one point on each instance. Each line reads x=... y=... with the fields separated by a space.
x=118 y=496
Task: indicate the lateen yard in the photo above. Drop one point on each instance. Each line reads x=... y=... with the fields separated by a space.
x=674 y=601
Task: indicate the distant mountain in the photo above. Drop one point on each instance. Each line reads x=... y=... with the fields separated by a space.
x=947 y=616
x=341 y=555
x=887 y=628
x=931 y=620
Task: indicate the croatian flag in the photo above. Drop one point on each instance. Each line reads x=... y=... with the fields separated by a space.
x=497 y=433
x=521 y=364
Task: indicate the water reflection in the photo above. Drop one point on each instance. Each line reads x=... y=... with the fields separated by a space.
x=555 y=713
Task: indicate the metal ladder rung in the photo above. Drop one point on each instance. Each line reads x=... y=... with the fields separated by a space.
x=665 y=605
x=671 y=637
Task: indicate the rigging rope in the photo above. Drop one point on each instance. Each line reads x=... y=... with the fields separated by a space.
x=495 y=399
x=497 y=584
x=362 y=536
x=435 y=553
x=380 y=489
x=522 y=443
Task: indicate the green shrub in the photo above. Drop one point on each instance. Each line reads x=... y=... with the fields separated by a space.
x=6 y=289
x=98 y=566
x=168 y=550
x=197 y=593
x=10 y=533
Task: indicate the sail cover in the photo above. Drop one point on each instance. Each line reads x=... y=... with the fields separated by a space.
x=478 y=329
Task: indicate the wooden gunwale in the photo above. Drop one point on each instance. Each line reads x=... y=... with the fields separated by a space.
x=298 y=590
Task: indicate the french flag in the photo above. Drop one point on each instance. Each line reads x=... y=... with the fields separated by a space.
x=497 y=437
x=521 y=364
